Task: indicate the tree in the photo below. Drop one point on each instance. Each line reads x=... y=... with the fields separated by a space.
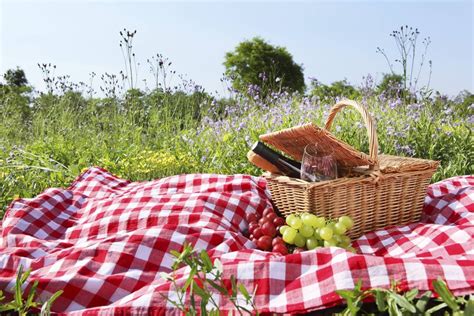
x=392 y=86
x=14 y=98
x=15 y=77
x=14 y=101
x=263 y=66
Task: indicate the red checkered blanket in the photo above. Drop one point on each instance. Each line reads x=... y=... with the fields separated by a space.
x=104 y=241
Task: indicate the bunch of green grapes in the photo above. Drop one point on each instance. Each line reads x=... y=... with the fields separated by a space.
x=309 y=231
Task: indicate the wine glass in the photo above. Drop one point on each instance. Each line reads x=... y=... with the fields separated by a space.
x=318 y=163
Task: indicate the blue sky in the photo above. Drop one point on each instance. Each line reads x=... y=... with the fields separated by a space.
x=333 y=40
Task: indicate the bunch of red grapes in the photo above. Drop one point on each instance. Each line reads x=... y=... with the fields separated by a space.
x=263 y=231
x=298 y=232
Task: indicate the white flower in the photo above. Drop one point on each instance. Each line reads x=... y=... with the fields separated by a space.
x=218 y=265
x=166 y=276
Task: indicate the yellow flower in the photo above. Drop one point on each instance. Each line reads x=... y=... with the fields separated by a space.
x=227 y=137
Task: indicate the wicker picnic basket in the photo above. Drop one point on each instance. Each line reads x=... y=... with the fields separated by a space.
x=376 y=190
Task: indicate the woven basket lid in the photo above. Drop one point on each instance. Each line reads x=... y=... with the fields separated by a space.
x=292 y=141
x=396 y=164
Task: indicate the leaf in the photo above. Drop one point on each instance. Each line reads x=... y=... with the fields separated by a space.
x=166 y=298
x=190 y=279
x=175 y=253
x=192 y=301
x=54 y=297
x=24 y=276
x=442 y=289
x=244 y=291
x=46 y=308
x=18 y=292
x=219 y=288
x=346 y=294
x=31 y=295
x=410 y=295
x=7 y=307
x=355 y=305
x=469 y=309
x=234 y=286
x=206 y=260
x=354 y=308
x=436 y=308
x=423 y=301
x=393 y=308
x=199 y=291
x=380 y=299
x=203 y=308
x=353 y=299
x=402 y=302
x=188 y=249
x=349 y=312
x=358 y=286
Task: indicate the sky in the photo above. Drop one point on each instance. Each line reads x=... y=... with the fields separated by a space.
x=333 y=40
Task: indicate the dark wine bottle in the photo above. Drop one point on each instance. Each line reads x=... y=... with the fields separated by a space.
x=286 y=166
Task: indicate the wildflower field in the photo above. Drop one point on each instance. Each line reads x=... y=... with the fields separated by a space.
x=47 y=139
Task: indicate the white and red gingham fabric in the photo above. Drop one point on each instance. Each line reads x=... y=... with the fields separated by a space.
x=104 y=240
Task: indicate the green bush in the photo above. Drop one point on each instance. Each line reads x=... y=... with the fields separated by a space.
x=335 y=90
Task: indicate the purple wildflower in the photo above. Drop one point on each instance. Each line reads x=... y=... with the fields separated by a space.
x=448 y=111
x=395 y=104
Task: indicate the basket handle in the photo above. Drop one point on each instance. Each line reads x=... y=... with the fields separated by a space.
x=373 y=143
